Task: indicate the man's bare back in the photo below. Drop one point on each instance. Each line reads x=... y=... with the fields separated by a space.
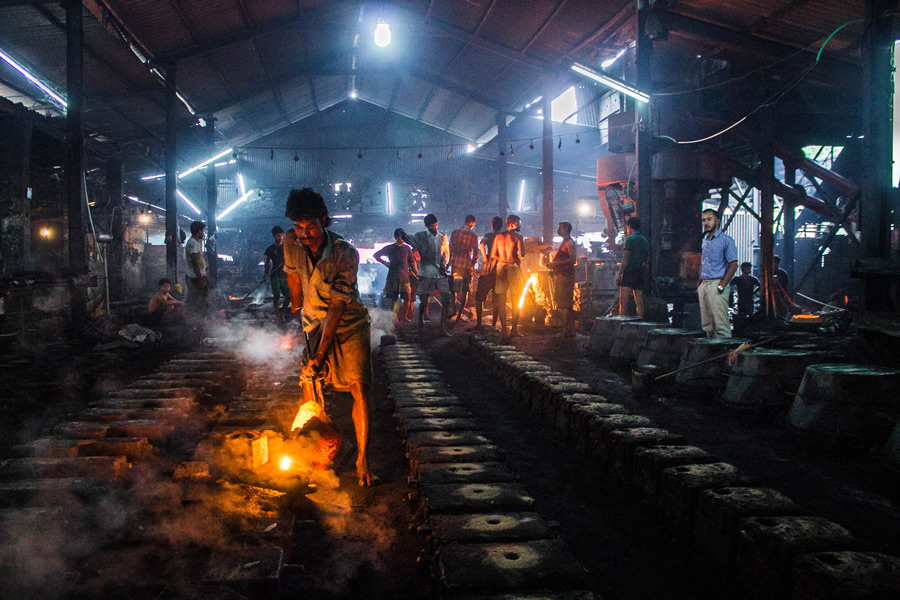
x=509 y=247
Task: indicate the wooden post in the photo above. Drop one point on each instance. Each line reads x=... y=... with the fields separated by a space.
x=212 y=196
x=116 y=252
x=75 y=154
x=766 y=234
x=502 y=171
x=172 y=241
x=643 y=136
x=787 y=254
x=547 y=228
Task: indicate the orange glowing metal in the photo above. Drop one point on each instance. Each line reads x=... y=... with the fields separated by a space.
x=532 y=281
x=804 y=316
x=285 y=463
x=306 y=412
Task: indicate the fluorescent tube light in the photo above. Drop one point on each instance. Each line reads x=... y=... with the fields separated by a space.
x=610 y=61
x=157 y=176
x=612 y=82
x=206 y=162
x=34 y=80
x=235 y=204
x=188 y=202
x=390 y=199
x=521 y=195
x=241 y=188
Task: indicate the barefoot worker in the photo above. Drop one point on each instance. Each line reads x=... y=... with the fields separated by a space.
x=321 y=272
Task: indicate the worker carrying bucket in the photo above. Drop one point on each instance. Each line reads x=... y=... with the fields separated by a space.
x=321 y=270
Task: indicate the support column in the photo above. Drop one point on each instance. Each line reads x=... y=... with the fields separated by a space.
x=787 y=254
x=502 y=171
x=877 y=54
x=547 y=227
x=766 y=234
x=75 y=154
x=172 y=241
x=15 y=225
x=116 y=253
x=643 y=134
x=212 y=197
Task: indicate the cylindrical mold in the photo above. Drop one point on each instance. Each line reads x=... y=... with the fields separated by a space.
x=765 y=379
x=604 y=333
x=708 y=376
x=663 y=347
x=853 y=402
x=630 y=340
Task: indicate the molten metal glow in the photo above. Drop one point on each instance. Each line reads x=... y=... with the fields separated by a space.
x=287 y=342
x=804 y=316
x=528 y=285
x=285 y=463
x=306 y=412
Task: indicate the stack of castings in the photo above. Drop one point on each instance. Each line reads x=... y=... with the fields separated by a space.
x=483 y=531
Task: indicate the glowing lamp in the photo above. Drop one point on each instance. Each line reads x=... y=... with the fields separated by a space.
x=382 y=34
x=45 y=233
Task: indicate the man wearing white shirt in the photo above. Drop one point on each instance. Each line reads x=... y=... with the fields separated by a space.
x=197 y=283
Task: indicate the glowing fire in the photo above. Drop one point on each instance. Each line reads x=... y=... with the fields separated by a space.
x=285 y=463
x=230 y=297
x=306 y=412
x=287 y=342
x=528 y=285
x=804 y=316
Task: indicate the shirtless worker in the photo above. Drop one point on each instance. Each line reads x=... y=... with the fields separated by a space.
x=563 y=268
x=321 y=270
x=488 y=275
x=507 y=253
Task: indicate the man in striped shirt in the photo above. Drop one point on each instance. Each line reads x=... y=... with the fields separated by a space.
x=463 y=256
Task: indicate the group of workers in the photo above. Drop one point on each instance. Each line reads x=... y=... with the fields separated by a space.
x=433 y=263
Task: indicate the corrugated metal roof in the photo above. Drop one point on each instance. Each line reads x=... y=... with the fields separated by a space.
x=457 y=63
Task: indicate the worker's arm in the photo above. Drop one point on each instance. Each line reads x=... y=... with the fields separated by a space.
x=379 y=256
x=729 y=273
x=570 y=257
x=626 y=257
x=267 y=267
x=296 y=289
x=329 y=329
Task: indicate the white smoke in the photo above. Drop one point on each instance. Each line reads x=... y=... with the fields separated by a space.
x=365 y=280
x=383 y=323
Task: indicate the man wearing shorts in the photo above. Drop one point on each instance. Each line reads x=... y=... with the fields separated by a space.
x=274 y=272
x=507 y=251
x=563 y=268
x=321 y=272
x=400 y=263
x=434 y=255
x=488 y=276
x=463 y=256
x=630 y=277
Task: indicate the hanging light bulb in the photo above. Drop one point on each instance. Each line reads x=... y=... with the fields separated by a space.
x=382 y=34
x=531 y=145
x=272 y=154
x=559 y=145
x=502 y=153
x=449 y=153
x=234 y=153
x=577 y=139
x=511 y=151
x=259 y=194
x=359 y=154
x=296 y=156
x=398 y=155
x=420 y=154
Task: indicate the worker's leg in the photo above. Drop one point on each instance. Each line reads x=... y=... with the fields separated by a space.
x=361 y=425
x=706 y=318
x=639 y=302
x=719 y=305
x=625 y=294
